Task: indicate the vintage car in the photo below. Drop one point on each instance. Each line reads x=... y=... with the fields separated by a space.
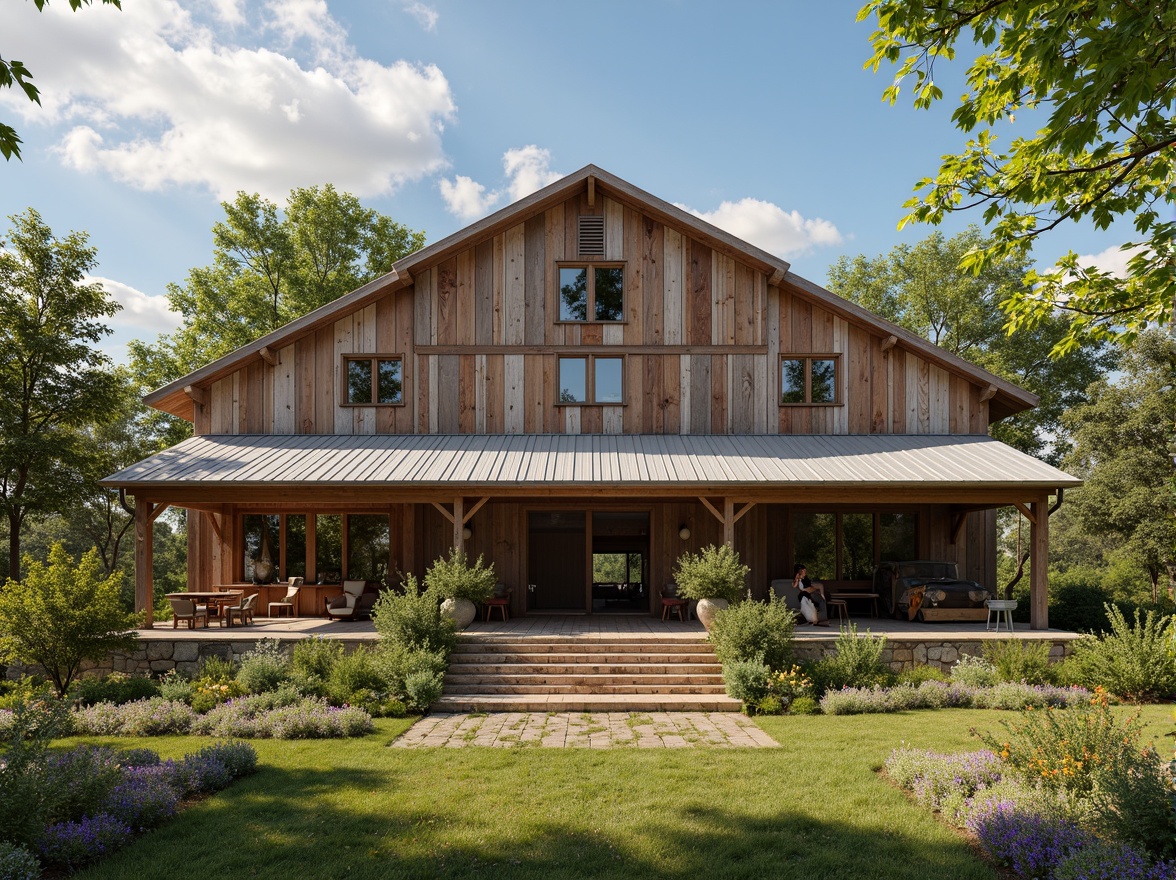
x=929 y=591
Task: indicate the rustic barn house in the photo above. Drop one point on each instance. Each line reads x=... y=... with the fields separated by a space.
x=589 y=379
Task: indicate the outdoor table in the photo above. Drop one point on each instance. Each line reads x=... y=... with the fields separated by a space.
x=215 y=599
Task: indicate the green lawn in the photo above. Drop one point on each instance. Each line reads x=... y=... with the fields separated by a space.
x=813 y=809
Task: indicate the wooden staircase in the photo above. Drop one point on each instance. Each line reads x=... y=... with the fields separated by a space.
x=638 y=673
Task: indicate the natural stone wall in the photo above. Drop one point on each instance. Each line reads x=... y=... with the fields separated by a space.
x=904 y=654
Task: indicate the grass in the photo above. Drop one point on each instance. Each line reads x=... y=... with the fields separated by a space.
x=812 y=809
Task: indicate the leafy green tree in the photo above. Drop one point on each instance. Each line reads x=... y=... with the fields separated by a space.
x=1095 y=78
x=922 y=288
x=268 y=269
x=1121 y=450
x=64 y=613
x=14 y=73
x=54 y=385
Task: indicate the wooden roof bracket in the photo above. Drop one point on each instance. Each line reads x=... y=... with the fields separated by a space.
x=1026 y=511
x=957 y=525
x=445 y=513
x=777 y=278
x=269 y=356
x=890 y=341
x=197 y=394
x=470 y=513
x=591 y=191
x=714 y=511
x=988 y=393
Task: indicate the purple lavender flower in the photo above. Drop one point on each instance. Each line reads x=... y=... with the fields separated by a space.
x=76 y=843
x=1028 y=843
x=145 y=798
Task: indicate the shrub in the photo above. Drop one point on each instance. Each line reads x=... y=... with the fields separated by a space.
x=118 y=687
x=71 y=844
x=356 y=679
x=974 y=672
x=933 y=778
x=804 y=706
x=422 y=688
x=64 y=612
x=769 y=705
x=857 y=662
x=1135 y=662
x=454 y=578
x=217 y=669
x=17 y=863
x=1020 y=660
x=1028 y=843
x=198 y=774
x=314 y=658
x=27 y=689
x=207 y=693
x=239 y=758
x=176 y=689
x=754 y=629
x=78 y=782
x=712 y=573
x=23 y=804
x=1106 y=860
x=265 y=668
x=746 y=680
x=921 y=672
x=138 y=758
x=788 y=685
x=397 y=664
x=153 y=717
x=413 y=619
x=263 y=717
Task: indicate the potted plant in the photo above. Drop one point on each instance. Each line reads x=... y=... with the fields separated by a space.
x=714 y=577
x=461 y=585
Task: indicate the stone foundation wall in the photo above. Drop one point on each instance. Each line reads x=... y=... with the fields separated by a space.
x=158 y=656
x=903 y=654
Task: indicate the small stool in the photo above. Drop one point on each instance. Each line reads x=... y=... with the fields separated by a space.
x=499 y=602
x=838 y=605
x=1000 y=607
x=673 y=605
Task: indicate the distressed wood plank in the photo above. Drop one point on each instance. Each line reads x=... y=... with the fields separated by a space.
x=535 y=327
x=514 y=400
x=514 y=285
x=672 y=289
x=652 y=260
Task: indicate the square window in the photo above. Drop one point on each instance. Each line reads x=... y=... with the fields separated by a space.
x=373 y=380
x=591 y=293
x=608 y=387
x=808 y=380
x=591 y=379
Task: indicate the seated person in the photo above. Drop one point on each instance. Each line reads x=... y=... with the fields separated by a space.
x=815 y=592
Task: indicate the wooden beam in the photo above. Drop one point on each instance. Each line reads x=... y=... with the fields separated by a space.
x=889 y=342
x=159 y=508
x=989 y=393
x=1039 y=566
x=729 y=522
x=1024 y=508
x=777 y=278
x=746 y=507
x=404 y=275
x=216 y=526
x=458 y=524
x=714 y=512
x=470 y=514
x=445 y=513
x=269 y=356
x=197 y=394
x=591 y=191
x=144 y=587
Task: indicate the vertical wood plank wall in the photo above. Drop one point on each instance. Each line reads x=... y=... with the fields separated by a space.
x=478 y=333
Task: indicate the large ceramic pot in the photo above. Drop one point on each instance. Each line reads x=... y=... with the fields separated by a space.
x=460 y=611
x=706 y=609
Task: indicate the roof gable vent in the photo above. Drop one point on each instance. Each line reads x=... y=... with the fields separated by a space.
x=591 y=235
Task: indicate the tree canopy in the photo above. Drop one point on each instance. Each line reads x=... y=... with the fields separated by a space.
x=15 y=73
x=1121 y=450
x=54 y=385
x=269 y=268
x=921 y=287
x=1099 y=79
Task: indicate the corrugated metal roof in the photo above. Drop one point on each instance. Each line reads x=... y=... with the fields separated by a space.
x=478 y=460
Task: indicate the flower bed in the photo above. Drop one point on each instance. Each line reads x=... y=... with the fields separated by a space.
x=941 y=695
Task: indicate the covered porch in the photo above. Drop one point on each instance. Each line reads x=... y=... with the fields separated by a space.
x=538 y=504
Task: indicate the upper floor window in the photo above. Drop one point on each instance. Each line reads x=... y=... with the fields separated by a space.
x=373 y=379
x=591 y=379
x=808 y=380
x=591 y=293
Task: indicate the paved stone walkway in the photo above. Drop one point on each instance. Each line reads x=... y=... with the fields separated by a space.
x=586 y=730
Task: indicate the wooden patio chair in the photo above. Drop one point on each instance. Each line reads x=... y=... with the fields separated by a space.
x=243 y=612
x=288 y=604
x=187 y=609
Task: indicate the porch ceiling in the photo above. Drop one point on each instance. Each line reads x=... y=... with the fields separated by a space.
x=541 y=464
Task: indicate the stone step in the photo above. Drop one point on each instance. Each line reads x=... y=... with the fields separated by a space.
x=629 y=668
x=581 y=647
x=537 y=679
x=588 y=689
x=576 y=658
x=585 y=703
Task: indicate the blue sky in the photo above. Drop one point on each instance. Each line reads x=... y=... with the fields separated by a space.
x=756 y=115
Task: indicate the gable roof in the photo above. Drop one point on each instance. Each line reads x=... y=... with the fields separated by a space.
x=1008 y=398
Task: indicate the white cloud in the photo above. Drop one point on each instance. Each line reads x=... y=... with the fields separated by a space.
x=770 y=227
x=140 y=311
x=1113 y=260
x=426 y=16
x=154 y=98
x=527 y=169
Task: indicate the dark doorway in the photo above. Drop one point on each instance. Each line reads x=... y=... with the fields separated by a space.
x=620 y=562
x=557 y=549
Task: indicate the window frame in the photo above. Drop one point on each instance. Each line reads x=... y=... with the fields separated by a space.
x=590 y=378
x=808 y=379
x=373 y=361
x=590 y=308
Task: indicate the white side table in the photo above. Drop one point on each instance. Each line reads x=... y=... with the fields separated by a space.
x=1000 y=607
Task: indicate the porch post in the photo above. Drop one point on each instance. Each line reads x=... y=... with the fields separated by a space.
x=1039 y=565
x=144 y=586
x=729 y=522
x=459 y=524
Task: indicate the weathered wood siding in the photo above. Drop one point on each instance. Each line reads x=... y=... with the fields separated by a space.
x=702 y=337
